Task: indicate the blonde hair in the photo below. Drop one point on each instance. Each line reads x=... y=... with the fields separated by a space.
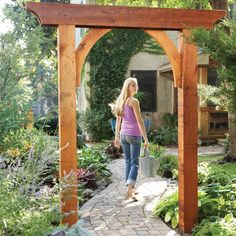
x=119 y=104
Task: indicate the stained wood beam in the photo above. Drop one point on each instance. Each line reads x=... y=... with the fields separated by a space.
x=123 y=17
x=67 y=123
x=187 y=136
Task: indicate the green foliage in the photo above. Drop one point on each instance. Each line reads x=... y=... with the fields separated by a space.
x=23 y=65
x=94 y=160
x=212 y=174
x=167 y=134
x=48 y=123
x=24 y=142
x=170 y=120
x=223 y=226
x=204 y=4
x=26 y=208
x=168 y=209
x=216 y=203
x=168 y=163
x=164 y=136
x=95 y=124
x=220 y=43
x=156 y=150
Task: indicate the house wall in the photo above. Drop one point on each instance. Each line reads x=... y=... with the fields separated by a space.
x=83 y=91
x=146 y=61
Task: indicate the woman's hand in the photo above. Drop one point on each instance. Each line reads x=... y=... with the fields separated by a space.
x=117 y=143
x=146 y=144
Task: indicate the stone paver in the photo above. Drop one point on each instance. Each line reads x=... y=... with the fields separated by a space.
x=110 y=213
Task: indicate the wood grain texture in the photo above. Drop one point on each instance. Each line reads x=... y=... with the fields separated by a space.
x=67 y=122
x=123 y=17
x=187 y=136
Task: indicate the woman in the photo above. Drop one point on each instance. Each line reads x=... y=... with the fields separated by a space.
x=129 y=131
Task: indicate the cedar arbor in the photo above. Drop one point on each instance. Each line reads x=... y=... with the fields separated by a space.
x=100 y=20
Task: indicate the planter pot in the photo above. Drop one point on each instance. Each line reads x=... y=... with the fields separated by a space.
x=148 y=166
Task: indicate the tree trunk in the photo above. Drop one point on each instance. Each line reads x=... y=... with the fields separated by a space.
x=232 y=136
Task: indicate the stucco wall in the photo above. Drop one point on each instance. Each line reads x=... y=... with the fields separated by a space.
x=83 y=91
x=146 y=61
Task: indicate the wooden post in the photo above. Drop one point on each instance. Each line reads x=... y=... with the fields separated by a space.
x=187 y=136
x=67 y=122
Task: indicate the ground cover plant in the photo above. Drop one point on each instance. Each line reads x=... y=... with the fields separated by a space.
x=216 y=200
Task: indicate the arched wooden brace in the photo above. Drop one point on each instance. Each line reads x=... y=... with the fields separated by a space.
x=159 y=36
x=84 y=47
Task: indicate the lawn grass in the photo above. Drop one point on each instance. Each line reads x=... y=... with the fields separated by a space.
x=209 y=158
x=230 y=168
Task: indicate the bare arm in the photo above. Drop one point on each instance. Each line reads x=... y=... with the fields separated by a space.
x=135 y=105
x=117 y=132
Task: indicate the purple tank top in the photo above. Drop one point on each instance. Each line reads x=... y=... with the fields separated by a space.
x=129 y=125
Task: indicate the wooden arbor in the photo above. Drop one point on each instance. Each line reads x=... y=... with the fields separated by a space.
x=183 y=60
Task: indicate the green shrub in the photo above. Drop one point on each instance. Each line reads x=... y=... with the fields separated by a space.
x=222 y=226
x=156 y=150
x=167 y=165
x=168 y=209
x=48 y=123
x=94 y=160
x=24 y=209
x=170 y=120
x=164 y=136
x=93 y=123
x=212 y=174
x=27 y=142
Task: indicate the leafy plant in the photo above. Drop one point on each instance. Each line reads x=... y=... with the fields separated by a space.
x=92 y=121
x=87 y=177
x=170 y=120
x=156 y=150
x=113 y=152
x=222 y=226
x=167 y=164
x=27 y=206
x=168 y=209
x=212 y=174
x=164 y=136
x=92 y=159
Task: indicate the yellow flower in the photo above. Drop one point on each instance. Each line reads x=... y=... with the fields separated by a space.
x=13 y=152
x=26 y=146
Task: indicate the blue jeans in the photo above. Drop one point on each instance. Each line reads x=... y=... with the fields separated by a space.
x=131 y=146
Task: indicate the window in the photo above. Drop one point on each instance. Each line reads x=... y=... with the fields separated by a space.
x=218 y=120
x=147 y=82
x=212 y=79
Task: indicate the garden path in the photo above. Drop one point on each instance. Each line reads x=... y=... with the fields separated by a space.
x=109 y=213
